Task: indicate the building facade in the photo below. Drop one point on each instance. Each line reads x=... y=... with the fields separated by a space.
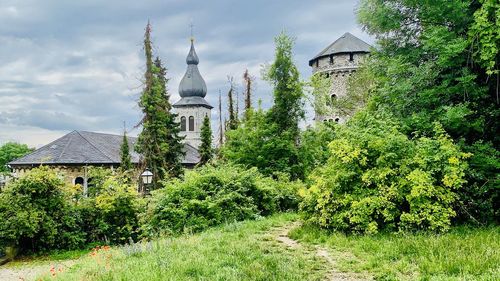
x=338 y=62
x=192 y=108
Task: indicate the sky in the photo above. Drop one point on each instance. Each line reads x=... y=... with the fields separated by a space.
x=78 y=65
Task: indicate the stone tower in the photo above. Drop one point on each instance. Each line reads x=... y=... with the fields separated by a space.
x=338 y=61
x=192 y=107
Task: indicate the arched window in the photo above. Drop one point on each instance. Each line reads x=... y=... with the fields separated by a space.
x=333 y=97
x=191 y=123
x=79 y=180
x=337 y=120
x=183 y=124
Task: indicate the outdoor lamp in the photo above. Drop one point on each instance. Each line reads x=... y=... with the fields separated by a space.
x=147 y=177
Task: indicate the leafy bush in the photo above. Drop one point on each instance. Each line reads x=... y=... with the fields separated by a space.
x=111 y=212
x=480 y=199
x=36 y=214
x=376 y=178
x=212 y=195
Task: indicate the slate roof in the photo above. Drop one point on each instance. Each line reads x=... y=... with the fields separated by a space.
x=82 y=147
x=347 y=43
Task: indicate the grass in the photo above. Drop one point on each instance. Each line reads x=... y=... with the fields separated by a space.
x=44 y=258
x=462 y=254
x=238 y=251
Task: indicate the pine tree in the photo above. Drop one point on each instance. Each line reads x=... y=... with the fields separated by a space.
x=159 y=142
x=125 y=158
x=288 y=106
x=206 y=150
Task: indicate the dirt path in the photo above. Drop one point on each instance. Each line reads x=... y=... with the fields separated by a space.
x=334 y=274
x=26 y=271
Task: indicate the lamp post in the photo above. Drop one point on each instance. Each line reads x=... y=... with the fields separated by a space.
x=147 y=179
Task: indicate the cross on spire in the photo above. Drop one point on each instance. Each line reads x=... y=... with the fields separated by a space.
x=191 y=26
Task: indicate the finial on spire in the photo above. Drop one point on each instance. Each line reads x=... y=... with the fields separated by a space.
x=191 y=26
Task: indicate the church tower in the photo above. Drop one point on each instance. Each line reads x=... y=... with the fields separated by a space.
x=192 y=108
x=339 y=61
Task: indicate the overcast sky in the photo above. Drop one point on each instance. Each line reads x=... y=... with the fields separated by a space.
x=77 y=65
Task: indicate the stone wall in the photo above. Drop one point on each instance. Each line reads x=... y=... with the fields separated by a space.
x=198 y=112
x=339 y=67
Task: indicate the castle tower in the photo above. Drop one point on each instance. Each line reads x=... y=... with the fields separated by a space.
x=192 y=107
x=339 y=61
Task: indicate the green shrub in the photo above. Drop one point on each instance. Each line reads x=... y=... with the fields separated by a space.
x=378 y=179
x=36 y=214
x=212 y=195
x=111 y=213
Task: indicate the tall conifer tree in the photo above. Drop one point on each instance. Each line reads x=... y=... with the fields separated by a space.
x=125 y=158
x=159 y=142
x=288 y=106
x=206 y=150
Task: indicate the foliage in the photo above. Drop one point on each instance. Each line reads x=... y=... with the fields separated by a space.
x=159 y=141
x=479 y=201
x=36 y=214
x=11 y=151
x=125 y=158
x=314 y=142
x=211 y=195
x=378 y=179
x=485 y=35
x=465 y=253
x=287 y=109
x=112 y=215
x=248 y=81
x=269 y=140
x=435 y=64
x=232 y=123
x=206 y=150
x=255 y=144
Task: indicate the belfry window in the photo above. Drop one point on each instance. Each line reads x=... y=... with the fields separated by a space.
x=183 y=124
x=191 y=123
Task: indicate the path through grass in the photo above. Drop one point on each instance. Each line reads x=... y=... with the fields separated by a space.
x=462 y=254
x=239 y=251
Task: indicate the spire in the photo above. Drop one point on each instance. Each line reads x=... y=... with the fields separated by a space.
x=192 y=84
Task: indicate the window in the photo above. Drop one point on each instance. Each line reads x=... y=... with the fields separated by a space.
x=79 y=180
x=317 y=63
x=183 y=124
x=333 y=97
x=351 y=57
x=337 y=120
x=191 y=123
x=331 y=59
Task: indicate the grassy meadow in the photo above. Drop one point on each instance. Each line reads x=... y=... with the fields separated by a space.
x=238 y=251
x=462 y=254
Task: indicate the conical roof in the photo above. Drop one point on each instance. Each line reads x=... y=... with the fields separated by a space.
x=347 y=43
x=192 y=84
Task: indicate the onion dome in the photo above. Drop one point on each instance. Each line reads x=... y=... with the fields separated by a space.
x=192 y=84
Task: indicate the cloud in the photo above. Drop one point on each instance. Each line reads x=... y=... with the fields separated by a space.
x=67 y=65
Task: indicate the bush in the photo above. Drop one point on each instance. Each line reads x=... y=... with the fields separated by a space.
x=211 y=195
x=378 y=179
x=111 y=213
x=36 y=214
